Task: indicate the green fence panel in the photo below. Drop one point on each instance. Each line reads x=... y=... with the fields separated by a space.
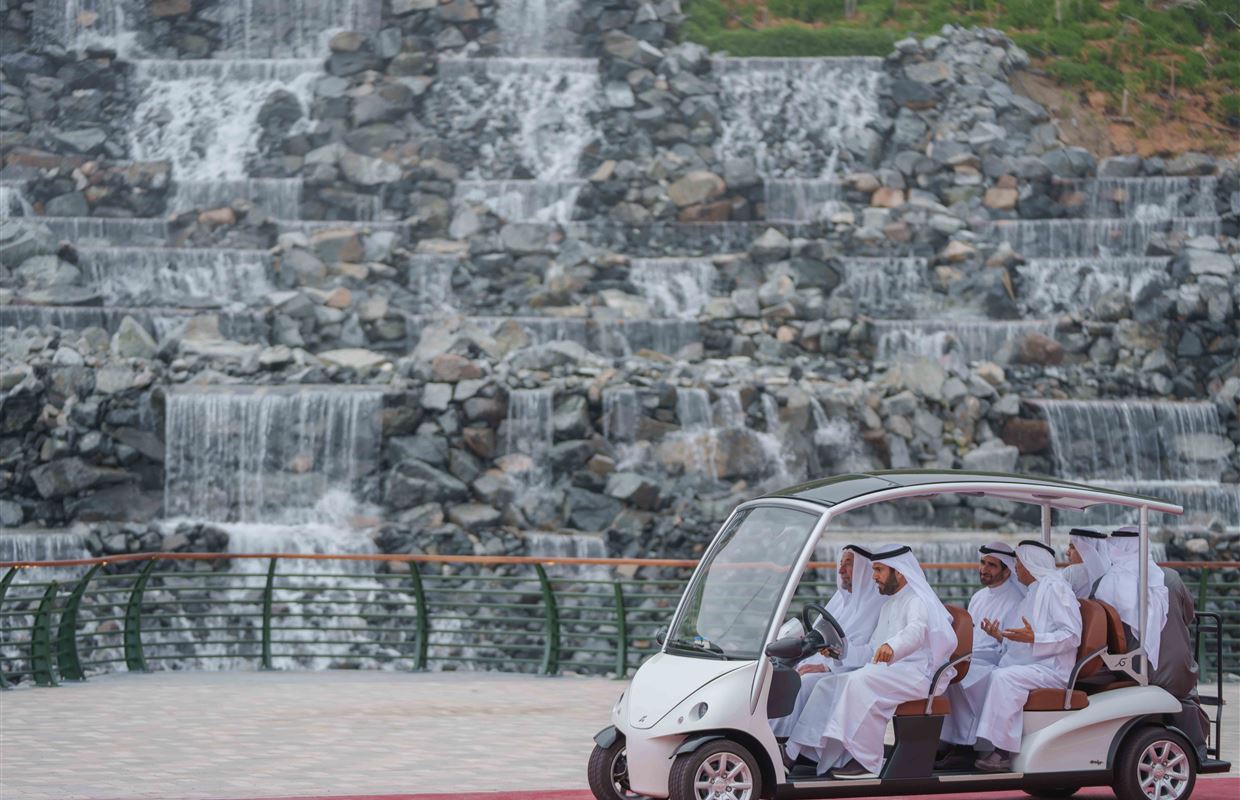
x=66 y=635
x=622 y=632
x=422 y=627
x=268 y=591
x=4 y=589
x=42 y=656
x=135 y=661
x=551 y=648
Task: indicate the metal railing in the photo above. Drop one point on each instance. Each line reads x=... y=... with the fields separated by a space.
x=65 y=620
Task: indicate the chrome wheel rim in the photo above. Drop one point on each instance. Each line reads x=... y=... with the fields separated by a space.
x=723 y=776
x=1163 y=771
x=620 y=774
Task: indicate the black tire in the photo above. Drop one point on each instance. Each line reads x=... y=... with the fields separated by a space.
x=714 y=754
x=608 y=773
x=1053 y=792
x=1140 y=758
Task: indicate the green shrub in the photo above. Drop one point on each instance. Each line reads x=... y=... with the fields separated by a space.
x=1228 y=109
x=808 y=10
x=792 y=40
x=1100 y=76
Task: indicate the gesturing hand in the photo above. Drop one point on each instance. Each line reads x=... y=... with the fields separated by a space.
x=883 y=655
x=1024 y=634
x=806 y=669
x=991 y=626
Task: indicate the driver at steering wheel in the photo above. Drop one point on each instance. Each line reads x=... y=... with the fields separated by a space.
x=855 y=606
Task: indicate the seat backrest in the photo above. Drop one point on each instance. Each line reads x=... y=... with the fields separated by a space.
x=962 y=624
x=1093 y=635
x=1117 y=642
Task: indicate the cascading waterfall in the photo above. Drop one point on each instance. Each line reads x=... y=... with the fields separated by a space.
x=536 y=27
x=430 y=280
x=177 y=276
x=241 y=326
x=522 y=201
x=203 y=116
x=1067 y=238
x=967 y=340
x=85 y=24
x=1053 y=285
x=674 y=287
x=528 y=427
x=526 y=115
x=887 y=285
x=260 y=454
x=624 y=337
x=803 y=199
x=1147 y=198
x=288 y=28
x=279 y=197
x=621 y=412
x=13 y=202
x=1166 y=449
x=838 y=443
x=103 y=231
x=776 y=112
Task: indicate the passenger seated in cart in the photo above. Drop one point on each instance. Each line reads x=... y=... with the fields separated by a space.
x=1089 y=558
x=846 y=716
x=999 y=599
x=855 y=605
x=1037 y=655
x=1171 y=613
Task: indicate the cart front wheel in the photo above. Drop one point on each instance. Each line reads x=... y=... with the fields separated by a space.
x=608 y=773
x=718 y=770
x=1155 y=764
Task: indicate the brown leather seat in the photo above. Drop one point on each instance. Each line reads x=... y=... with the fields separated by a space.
x=1117 y=642
x=962 y=625
x=1052 y=700
x=1093 y=637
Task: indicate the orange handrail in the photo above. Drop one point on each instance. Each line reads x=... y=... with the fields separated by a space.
x=484 y=560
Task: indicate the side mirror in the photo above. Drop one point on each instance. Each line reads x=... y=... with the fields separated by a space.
x=660 y=635
x=785 y=648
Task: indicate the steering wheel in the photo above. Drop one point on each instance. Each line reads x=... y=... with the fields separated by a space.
x=826 y=632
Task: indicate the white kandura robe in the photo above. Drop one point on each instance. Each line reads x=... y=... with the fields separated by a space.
x=1000 y=603
x=847 y=714
x=1045 y=664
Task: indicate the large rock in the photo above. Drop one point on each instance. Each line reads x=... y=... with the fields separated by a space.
x=696 y=187
x=1027 y=435
x=367 y=171
x=69 y=476
x=588 y=511
x=1040 y=349
x=131 y=340
x=993 y=456
x=412 y=483
x=634 y=489
x=355 y=358
x=474 y=516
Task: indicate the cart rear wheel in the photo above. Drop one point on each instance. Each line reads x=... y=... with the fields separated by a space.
x=1053 y=792
x=608 y=773
x=718 y=770
x=1155 y=764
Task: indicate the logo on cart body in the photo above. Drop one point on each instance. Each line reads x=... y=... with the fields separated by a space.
x=643 y=718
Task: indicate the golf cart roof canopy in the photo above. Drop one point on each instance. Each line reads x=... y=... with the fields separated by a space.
x=854 y=490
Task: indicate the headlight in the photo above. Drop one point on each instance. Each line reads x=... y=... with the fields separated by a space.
x=616 y=708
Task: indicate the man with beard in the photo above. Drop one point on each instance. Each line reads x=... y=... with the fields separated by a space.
x=855 y=605
x=846 y=716
x=998 y=599
x=1037 y=655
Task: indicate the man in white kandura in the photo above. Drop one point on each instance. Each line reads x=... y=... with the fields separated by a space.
x=1037 y=655
x=855 y=606
x=1121 y=586
x=999 y=599
x=1089 y=558
x=846 y=716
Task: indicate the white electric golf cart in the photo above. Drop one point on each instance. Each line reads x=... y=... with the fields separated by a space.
x=694 y=724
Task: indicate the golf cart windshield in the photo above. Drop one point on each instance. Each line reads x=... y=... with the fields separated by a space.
x=729 y=606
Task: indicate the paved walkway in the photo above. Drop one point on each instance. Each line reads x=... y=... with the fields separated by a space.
x=210 y=736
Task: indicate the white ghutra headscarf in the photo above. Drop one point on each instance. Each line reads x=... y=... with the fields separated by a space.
x=1039 y=559
x=857 y=610
x=1121 y=585
x=942 y=637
